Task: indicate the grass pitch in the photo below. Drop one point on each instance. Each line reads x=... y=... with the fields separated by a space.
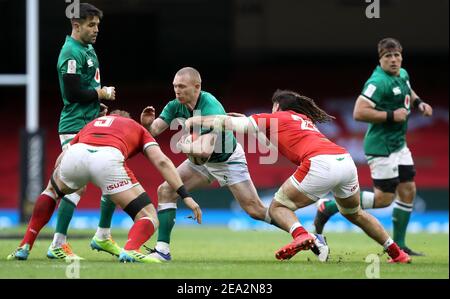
x=209 y=252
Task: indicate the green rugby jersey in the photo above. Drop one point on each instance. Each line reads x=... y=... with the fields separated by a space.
x=207 y=104
x=386 y=92
x=77 y=58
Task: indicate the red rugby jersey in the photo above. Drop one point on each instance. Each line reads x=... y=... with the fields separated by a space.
x=120 y=132
x=297 y=136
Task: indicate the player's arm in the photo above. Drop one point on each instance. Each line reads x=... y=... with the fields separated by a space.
x=365 y=111
x=170 y=174
x=148 y=121
x=75 y=94
x=418 y=103
x=202 y=147
x=221 y=122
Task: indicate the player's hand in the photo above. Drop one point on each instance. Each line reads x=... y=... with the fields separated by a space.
x=235 y=114
x=189 y=123
x=103 y=109
x=191 y=204
x=181 y=144
x=425 y=109
x=147 y=116
x=400 y=115
x=107 y=93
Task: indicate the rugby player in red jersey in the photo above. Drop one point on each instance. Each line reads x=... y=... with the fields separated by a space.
x=322 y=167
x=98 y=154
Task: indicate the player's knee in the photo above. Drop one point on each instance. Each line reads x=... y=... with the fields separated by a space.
x=386 y=185
x=281 y=199
x=383 y=199
x=82 y=191
x=165 y=193
x=354 y=215
x=406 y=173
x=138 y=207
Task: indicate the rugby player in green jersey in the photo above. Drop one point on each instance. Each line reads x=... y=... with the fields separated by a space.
x=385 y=103
x=79 y=79
x=226 y=160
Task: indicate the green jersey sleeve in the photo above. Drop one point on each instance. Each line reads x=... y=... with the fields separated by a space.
x=404 y=74
x=374 y=90
x=71 y=63
x=169 y=112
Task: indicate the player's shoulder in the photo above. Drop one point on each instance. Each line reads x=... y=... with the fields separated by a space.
x=404 y=74
x=208 y=97
x=71 y=50
x=377 y=76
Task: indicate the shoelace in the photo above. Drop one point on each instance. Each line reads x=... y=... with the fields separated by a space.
x=149 y=250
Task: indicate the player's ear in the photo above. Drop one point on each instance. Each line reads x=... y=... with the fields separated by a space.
x=75 y=25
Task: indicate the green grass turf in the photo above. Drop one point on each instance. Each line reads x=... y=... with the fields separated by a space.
x=208 y=252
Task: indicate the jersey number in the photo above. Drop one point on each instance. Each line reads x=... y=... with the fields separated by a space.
x=305 y=124
x=104 y=121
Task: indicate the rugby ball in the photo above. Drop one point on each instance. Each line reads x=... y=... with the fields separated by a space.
x=194 y=159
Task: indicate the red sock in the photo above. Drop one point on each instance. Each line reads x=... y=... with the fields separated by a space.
x=42 y=211
x=393 y=250
x=139 y=233
x=298 y=231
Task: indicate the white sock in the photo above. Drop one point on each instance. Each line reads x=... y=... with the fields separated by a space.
x=294 y=227
x=103 y=233
x=58 y=240
x=367 y=200
x=162 y=247
x=388 y=243
x=267 y=217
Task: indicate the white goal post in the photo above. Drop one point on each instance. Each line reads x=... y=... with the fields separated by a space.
x=32 y=138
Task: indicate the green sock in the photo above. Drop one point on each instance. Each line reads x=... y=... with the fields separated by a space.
x=107 y=208
x=331 y=207
x=65 y=213
x=166 y=222
x=366 y=200
x=400 y=220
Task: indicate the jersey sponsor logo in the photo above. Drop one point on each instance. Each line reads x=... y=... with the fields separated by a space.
x=72 y=67
x=396 y=90
x=97 y=75
x=117 y=185
x=370 y=90
x=90 y=63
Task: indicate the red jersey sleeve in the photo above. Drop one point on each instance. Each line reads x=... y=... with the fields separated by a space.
x=147 y=139
x=75 y=139
x=261 y=122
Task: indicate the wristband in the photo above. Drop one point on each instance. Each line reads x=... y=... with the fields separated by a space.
x=390 y=116
x=417 y=102
x=182 y=192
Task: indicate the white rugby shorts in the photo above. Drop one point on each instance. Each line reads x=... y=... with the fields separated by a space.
x=104 y=166
x=319 y=175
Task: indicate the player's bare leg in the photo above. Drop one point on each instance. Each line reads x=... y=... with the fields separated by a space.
x=350 y=209
x=246 y=195
x=167 y=205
